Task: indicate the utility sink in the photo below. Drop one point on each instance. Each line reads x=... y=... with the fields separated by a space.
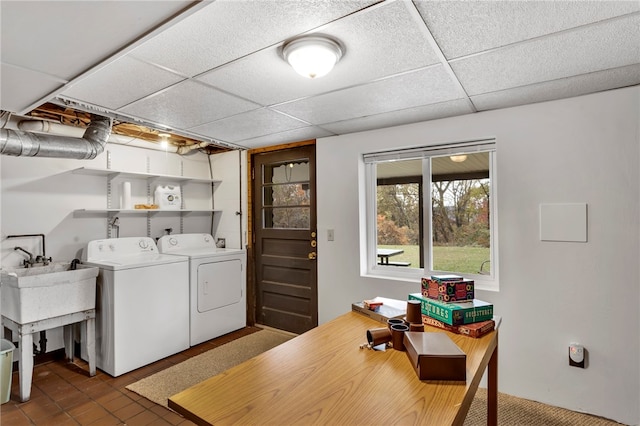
x=42 y=292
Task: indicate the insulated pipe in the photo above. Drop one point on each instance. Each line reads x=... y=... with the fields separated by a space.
x=188 y=149
x=20 y=143
x=42 y=126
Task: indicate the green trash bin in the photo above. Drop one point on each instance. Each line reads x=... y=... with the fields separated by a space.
x=6 y=368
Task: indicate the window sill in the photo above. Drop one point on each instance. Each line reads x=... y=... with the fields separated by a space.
x=401 y=274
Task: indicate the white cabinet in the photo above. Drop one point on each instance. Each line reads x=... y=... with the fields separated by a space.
x=112 y=206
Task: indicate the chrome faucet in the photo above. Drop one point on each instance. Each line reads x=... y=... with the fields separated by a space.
x=40 y=258
x=25 y=262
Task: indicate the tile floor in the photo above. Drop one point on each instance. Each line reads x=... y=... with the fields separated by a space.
x=63 y=394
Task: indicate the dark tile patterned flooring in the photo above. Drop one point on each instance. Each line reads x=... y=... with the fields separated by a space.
x=62 y=393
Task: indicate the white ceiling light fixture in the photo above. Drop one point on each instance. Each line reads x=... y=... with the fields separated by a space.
x=458 y=158
x=312 y=56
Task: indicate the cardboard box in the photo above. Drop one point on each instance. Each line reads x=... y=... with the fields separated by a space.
x=475 y=330
x=435 y=356
x=461 y=290
x=456 y=313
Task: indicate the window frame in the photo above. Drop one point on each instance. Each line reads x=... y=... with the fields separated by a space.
x=373 y=269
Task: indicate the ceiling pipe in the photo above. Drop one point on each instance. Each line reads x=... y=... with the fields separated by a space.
x=43 y=126
x=20 y=143
x=188 y=149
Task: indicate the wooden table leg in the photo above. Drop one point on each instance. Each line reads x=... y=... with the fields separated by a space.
x=492 y=389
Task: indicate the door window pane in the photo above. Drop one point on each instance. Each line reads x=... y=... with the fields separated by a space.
x=285 y=192
x=286 y=218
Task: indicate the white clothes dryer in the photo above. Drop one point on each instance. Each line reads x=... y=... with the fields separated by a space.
x=218 y=303
x=142 y=303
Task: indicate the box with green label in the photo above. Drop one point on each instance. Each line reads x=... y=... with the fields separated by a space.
x=456 y=313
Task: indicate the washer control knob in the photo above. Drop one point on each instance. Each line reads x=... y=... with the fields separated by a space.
x=206 y=239
x=173 y=241
x=112 y=247
x=143 y=244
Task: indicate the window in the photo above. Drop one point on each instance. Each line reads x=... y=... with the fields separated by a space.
x=432 y=210
x=286 y=195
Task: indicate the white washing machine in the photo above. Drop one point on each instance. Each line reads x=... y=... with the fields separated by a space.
x=217 y=284
x=142 y=303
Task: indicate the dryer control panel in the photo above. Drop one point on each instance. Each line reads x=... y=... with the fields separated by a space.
x=176 y=242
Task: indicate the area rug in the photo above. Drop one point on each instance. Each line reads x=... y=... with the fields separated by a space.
x=160 y=386
x=514 y=411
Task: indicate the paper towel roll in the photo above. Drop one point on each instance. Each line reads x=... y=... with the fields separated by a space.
x=126 y=196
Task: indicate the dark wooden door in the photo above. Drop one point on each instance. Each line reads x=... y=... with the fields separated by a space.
x=284 y=227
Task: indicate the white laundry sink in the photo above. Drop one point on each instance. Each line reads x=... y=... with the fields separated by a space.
x=42 y=292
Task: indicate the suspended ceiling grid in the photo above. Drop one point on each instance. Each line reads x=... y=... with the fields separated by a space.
x=214 y=71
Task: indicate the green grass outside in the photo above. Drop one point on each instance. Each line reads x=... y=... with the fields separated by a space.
x=446 y=259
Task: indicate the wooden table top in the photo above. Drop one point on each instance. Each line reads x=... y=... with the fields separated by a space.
x=323 y=377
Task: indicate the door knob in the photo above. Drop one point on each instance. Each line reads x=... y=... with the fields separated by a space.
x=312 y=255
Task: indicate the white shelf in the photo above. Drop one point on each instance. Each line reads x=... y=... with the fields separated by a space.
x=117 y=173
x=151 y=179
x=141 y=211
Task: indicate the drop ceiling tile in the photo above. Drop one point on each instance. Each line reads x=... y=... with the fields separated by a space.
x=426 y=86
x=188 y=104
x=559 y=89
x=562 y=55
x=120 y=83
x=297 y=135
x=371 y=40
x=226 y=30
x=405 y=116
x=66 y=38
x=249 y=125
x=462 y=28
x=20 y=88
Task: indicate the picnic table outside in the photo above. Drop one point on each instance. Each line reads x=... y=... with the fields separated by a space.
x=385 y=254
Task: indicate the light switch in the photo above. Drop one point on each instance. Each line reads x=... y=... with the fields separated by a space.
x=329 y=234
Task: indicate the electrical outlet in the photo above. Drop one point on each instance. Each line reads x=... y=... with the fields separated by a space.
x=221 y=243
x=576 y=355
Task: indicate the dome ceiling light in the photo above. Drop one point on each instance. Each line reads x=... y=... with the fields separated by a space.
x=458 y=158
x=312 y=56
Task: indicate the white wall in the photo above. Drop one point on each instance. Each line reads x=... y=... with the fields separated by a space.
x=584 y=149
x=39 y=196
x=227 y=194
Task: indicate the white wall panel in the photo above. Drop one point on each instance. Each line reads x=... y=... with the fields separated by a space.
x=585 y=148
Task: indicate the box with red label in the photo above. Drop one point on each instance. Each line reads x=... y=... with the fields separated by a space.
x=448 y=291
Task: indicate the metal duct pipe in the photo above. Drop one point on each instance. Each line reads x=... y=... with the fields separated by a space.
x=92 y=143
